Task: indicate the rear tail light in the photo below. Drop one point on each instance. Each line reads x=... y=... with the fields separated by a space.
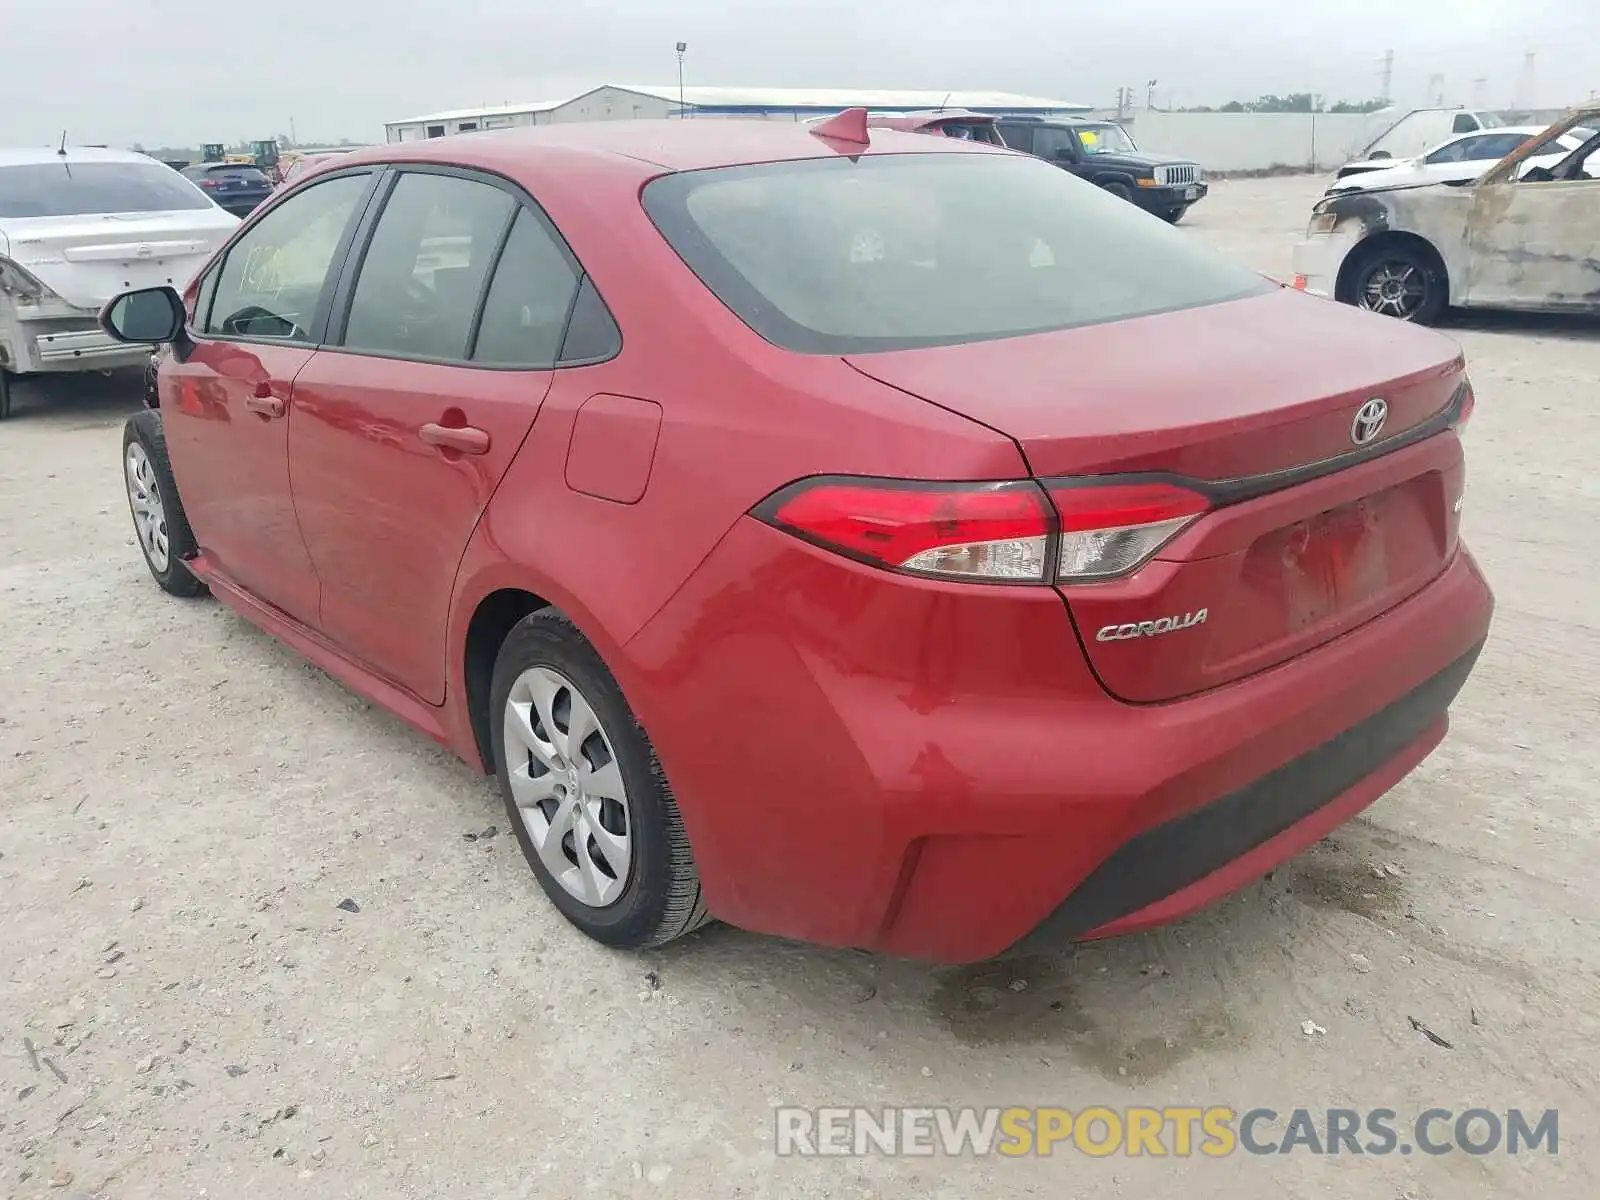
x=20 y=284
x=1466 y=400
x=1109 y=529
x=1012 y=532
x=993 y=531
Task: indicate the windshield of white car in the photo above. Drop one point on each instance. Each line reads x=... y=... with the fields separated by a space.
x=895 y=251
x=69 y=189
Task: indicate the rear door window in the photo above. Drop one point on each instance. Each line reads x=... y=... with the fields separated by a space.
x=78 y=189
x=1049 y=142
x=1498 y=145
x=271 y=284
x=1018 y=136
x=892 y=251
x=529 y=301
x=423 y=273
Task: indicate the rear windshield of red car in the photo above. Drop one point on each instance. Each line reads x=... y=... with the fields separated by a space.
x=887 y=252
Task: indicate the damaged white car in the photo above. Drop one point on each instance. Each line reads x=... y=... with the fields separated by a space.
x=77 y=227
x=1516 y=238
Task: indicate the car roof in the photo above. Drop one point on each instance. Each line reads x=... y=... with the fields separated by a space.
x=669 y=145
x=22 y=156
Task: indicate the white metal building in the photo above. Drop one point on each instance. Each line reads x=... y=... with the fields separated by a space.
x=469 y=120
x=621 y=102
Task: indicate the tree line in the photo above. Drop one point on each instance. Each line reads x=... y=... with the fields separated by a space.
x=1294 y=102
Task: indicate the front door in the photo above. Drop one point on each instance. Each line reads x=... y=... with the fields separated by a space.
x=1532 y=240
x=405 y=425
x=227 y=407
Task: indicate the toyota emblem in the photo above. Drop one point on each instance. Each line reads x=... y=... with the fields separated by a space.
x=144 y=251
x=1369 y=421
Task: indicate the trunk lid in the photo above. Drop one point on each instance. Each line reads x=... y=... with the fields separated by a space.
x=1309 y=535
x=86 y=260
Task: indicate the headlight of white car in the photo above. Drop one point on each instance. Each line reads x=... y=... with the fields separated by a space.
x=1323 y=219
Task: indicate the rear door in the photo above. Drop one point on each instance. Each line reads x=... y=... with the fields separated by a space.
x=1061 y=147
x=228 y=405
x=448 y=325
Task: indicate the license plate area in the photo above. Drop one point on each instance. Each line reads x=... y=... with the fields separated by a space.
x=1192 y=193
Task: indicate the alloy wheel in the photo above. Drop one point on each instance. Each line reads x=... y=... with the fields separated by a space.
x=1395 y=289
x=568 y=787
x=149 y=514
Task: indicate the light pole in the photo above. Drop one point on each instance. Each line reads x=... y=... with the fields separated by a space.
x=682 y=48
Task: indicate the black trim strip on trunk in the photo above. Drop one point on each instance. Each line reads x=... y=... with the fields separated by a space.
x=1169 y=857
x=1247 y=487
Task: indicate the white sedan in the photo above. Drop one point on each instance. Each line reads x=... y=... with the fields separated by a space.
x=77 y=227
x=1459 y=159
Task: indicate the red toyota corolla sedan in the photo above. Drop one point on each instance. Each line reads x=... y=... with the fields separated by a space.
x=895 y=543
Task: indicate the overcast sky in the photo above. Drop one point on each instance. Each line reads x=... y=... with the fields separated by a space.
x=179 y=72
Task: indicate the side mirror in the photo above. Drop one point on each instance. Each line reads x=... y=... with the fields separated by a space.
x=148 y=316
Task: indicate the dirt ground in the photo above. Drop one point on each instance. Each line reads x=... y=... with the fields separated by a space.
x=186 y=1012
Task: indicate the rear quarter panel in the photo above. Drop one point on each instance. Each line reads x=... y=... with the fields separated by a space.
x=739 y=418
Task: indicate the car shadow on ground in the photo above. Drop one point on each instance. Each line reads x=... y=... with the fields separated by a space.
x=1571 y=327
x=85 y=396
x=1129 y=1008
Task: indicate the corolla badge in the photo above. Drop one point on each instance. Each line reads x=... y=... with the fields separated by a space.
x=1369 y=420
x=1138 y=629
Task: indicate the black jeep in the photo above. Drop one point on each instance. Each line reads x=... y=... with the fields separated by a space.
x=1103 y=153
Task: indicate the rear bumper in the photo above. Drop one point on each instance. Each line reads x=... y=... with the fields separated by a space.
x=241 y=206
x=931 y=770
x=58 y=343
x=1184 y=863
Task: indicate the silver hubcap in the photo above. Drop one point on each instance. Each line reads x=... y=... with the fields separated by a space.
x=568 y=787
x=149 y=517
x=1395 y=289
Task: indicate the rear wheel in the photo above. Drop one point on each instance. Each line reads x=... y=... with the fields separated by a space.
x=5 y=394
x=1403 y=282
x=584 y=792
x=159 y=522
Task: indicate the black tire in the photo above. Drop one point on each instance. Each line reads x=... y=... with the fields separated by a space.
x=661 y=899
x=1174 y=215
x=144 y=429
x=1426 y=308
x=1120 y=190
x=5 y=394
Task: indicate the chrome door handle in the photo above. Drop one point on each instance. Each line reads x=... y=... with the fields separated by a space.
x=463 y=438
